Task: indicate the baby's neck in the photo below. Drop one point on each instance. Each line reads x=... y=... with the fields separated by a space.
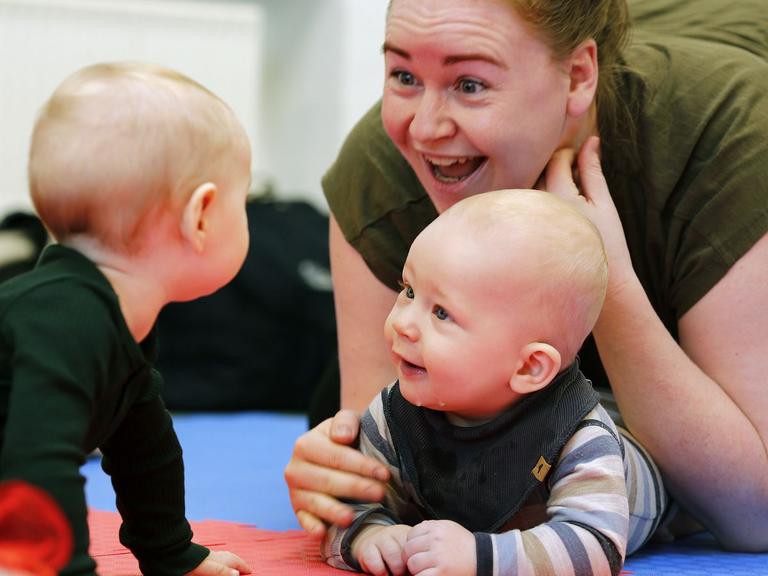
x=139 y=293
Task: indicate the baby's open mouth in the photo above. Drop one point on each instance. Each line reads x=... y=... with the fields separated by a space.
x=411 y=369
x=452 y=170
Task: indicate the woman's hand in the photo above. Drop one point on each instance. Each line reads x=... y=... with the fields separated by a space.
x=588 y=191
x=325 y=467
x=707 y=386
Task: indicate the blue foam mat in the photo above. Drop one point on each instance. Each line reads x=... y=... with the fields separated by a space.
x=233 y=468
x=695 y=556
x=234 y=471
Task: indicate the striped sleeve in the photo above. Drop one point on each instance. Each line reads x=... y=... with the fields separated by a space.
x=336 y=548
x=375 y=441
x=587 y=510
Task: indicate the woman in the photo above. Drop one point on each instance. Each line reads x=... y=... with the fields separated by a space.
x=497 y=94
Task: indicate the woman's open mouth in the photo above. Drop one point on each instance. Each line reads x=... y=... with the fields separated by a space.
x=452 y=170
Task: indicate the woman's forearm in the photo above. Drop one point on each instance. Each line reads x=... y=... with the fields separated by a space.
x=362 y=304
x=712 y=455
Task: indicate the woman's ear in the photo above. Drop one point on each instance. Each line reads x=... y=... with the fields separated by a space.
x=539 y=364
x=195 y=216
x=583 y=71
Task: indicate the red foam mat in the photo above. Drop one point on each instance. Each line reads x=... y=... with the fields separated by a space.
x=268 y=553
x=288 y=553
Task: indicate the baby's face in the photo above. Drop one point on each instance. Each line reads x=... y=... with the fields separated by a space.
x=453 y=332
x=228 y=235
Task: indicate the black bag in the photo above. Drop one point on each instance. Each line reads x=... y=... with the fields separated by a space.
x=263 y=341
x=22 y=239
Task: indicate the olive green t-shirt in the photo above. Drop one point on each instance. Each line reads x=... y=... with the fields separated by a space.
x=695 y=202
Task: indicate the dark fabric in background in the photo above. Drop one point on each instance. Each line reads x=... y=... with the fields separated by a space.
x=264 y=340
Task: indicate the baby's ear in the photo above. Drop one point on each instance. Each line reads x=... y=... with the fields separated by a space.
x=539 y=363
x=195 y=216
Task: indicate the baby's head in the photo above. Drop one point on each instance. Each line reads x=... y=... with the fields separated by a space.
x=500 y=292
x=120 y=145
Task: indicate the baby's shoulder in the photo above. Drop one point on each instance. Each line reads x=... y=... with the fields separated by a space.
x=54 y=311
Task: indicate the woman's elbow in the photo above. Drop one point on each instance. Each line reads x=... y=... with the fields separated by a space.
x=750 y=535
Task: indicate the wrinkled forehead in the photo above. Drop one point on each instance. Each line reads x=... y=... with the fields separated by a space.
x=475 y=18
x=443 y=16
x=443 y=7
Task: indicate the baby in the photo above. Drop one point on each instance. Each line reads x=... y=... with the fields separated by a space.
x=502 y=459
x=141 y=176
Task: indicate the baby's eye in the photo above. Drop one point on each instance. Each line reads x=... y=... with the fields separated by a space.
x=470 y=86
x=440 y=313
x=407 y=290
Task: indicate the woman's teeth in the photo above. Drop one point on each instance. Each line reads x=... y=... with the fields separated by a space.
x=451 y=170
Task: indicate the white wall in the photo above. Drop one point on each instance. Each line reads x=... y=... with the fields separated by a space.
x=323 y=68
x=297 y=72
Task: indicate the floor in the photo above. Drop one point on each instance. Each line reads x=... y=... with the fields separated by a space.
x=234 y=472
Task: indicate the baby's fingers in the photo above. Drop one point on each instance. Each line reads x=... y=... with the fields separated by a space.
x=221 y=564
x=383 y=559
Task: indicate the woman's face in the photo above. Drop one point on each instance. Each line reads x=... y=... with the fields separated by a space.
x=472 y=99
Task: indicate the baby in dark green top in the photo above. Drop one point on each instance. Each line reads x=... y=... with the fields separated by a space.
x=141 y=175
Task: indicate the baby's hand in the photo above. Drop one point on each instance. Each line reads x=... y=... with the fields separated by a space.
x=441 y=548
x=379 y=549
x=221 y=563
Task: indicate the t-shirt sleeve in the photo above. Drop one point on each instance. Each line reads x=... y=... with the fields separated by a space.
x=710 y=115
x=376 y=198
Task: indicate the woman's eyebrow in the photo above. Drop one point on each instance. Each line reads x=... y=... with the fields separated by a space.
x=455 y=59
x=387 y=47
x=448 y=60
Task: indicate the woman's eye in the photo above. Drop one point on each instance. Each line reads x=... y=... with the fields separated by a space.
x=404 y=78
x=440 y=313
x=469 y=86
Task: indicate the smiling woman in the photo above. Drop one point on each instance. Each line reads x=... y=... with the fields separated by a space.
x=488 y=94
x=451 y=72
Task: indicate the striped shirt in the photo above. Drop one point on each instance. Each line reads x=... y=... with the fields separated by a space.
x=602 y=499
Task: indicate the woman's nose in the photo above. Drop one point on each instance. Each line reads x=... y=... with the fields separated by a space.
x=431 y=119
